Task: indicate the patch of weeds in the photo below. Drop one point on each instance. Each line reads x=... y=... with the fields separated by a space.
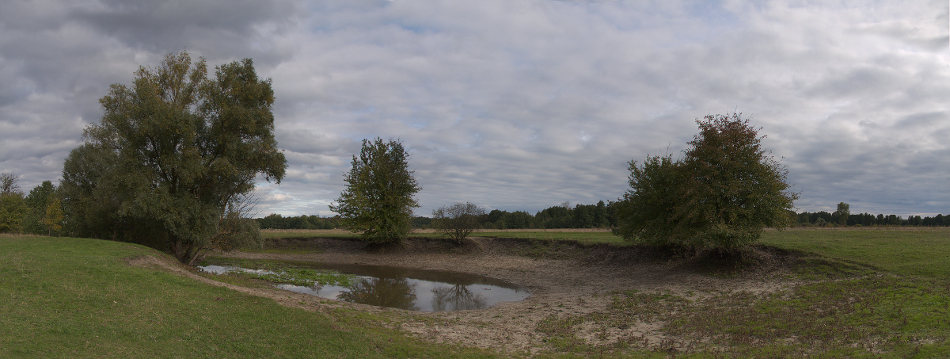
x=301 y=277
x=819 y=268
x=549 y=249
x=853 y=317
x=276 y=272
x=856 y=317
x=645 y=307
x=561 y=333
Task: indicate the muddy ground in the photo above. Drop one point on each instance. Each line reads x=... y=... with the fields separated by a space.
x=564 y=279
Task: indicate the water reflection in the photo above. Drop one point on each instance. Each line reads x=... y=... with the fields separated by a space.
x=382 y=292
x=456 y=297
x=403 y=288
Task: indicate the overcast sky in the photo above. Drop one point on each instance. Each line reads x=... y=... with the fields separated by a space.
x=518 y=105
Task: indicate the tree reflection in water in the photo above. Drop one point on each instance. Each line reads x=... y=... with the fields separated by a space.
x=456 y=297
x=383 y=292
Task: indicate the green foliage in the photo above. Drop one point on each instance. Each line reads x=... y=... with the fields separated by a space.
x=598 y=215
x=458 y=220
x=276 y=221
x=720 y=196
x=41 y=205
x=648 y=209
x=53 y=217
x=186 y=147
x=379 y=195
x=12 y=209
x=842 y=213
x=12 y=204
x=88 y=192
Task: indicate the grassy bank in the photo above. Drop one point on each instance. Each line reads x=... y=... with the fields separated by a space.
x=78 y=298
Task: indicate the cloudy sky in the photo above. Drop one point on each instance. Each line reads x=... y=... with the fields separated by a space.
x=518 y=104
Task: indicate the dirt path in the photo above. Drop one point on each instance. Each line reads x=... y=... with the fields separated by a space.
x=563 y=279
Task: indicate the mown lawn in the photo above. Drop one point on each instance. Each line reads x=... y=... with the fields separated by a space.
x=78 y=298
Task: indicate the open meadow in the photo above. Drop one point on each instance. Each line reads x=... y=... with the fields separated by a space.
x=803 y=292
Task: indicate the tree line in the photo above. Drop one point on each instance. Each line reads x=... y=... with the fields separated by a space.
x=825 y=219
x=600 y=215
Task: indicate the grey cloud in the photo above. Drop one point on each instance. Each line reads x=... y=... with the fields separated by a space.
x=520 y=105
x=167 y=26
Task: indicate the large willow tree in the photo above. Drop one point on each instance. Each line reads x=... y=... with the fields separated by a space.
x=187 y=149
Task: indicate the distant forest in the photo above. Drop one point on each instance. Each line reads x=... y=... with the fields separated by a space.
x=600 y=215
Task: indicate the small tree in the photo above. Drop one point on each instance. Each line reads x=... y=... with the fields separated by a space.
x=53 y=217
x=379 y=195
x=12 y=204
x=458 y=220
x=38 y=200
x=842 y=213
x=720 y=196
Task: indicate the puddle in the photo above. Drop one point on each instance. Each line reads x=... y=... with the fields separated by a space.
x=397 y=287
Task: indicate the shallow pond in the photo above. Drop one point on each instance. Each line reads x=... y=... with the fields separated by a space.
x=395 y=287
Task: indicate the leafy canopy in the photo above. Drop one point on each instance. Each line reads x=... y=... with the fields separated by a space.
x=379 y=194
x=722 y=195
x=12 y=204
x=187 y=147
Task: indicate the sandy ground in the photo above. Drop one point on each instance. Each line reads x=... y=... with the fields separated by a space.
x=563 y=279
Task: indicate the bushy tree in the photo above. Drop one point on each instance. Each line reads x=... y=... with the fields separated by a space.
x=647 y=213
x=38 y=201
x=12 y=204
x=53 y=216
x=458 y=220
x=379 y=194
x=186 y=148
x=842 y=213
x=722 y=195
x=89 y=199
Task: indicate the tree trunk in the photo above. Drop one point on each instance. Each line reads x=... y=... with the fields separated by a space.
x=183 y=252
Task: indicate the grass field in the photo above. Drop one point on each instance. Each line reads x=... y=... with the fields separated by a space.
x=921 y=251
x=78 y=298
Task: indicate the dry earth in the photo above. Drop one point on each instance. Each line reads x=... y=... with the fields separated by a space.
x=563 y=278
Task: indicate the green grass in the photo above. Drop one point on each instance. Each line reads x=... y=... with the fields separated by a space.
x=900 y=251
x=78 y=298
x=583 y=237
x=307 y=233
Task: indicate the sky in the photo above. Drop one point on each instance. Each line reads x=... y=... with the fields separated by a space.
x=518 y=104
